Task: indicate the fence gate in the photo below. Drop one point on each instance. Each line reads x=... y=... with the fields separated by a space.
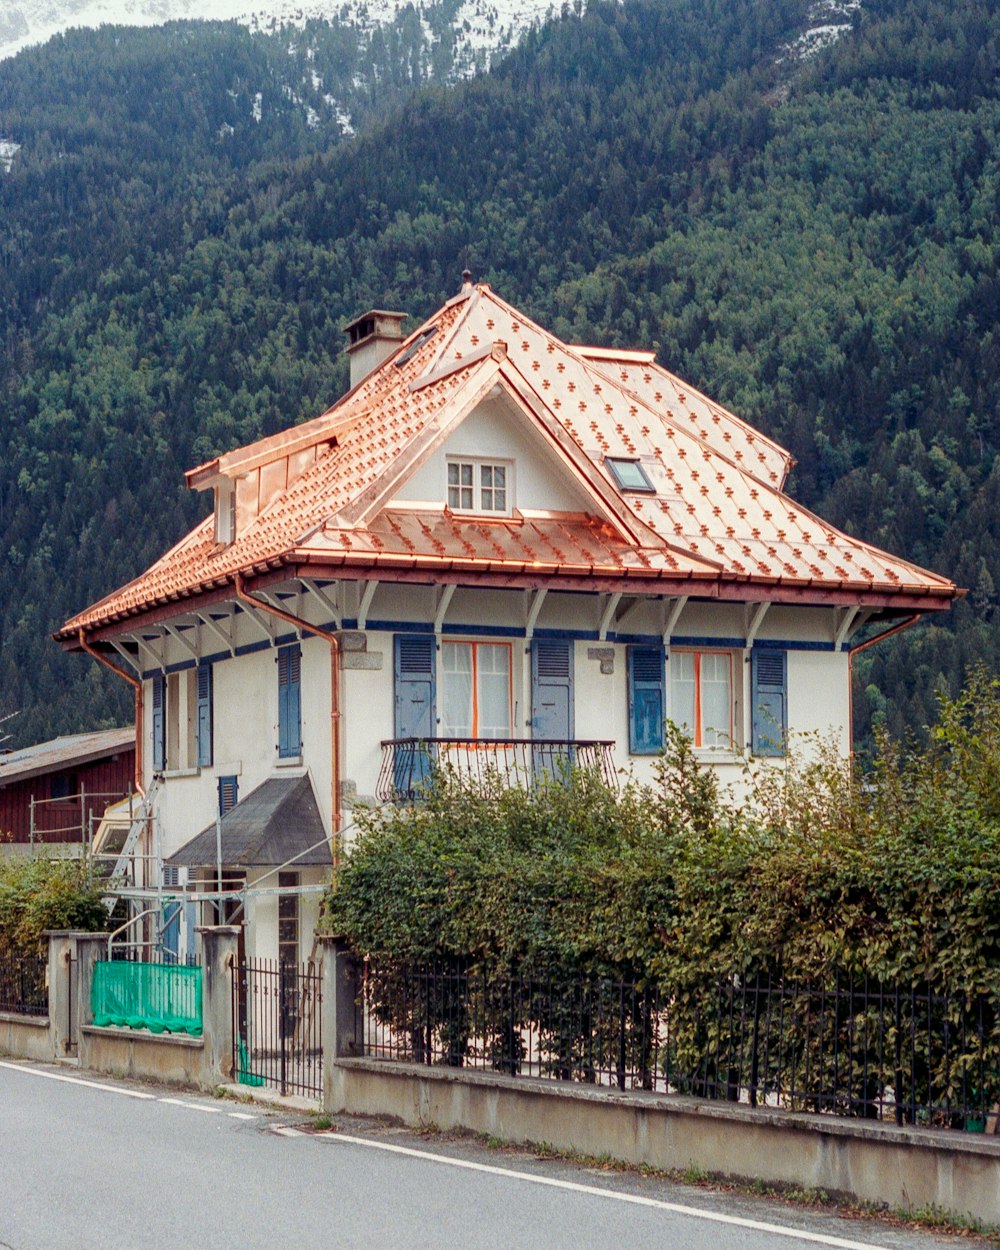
x=73 y=1007
x=278 y=1025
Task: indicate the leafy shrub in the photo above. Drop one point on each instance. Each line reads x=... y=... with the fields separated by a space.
x=40 y=894
x=813 y=869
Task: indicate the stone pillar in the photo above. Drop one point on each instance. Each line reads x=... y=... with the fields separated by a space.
x=64 y=1016
x=90 y=947
x=343 y=1015
x=219 y=951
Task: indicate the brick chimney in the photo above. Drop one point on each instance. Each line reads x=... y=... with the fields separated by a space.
x=370 y=338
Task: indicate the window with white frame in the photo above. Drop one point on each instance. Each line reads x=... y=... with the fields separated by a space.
x=480 y=486
x=476 y=690
x=225 y=513
x=701 y=697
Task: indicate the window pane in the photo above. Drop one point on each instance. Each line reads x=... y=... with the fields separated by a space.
x=716 y=701
x=629 y=474
x=460 y=477
x=682 y=690
x=493 y=487
x=456 y=671
x=493 y=663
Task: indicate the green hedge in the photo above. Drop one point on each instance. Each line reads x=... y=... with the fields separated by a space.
x=891 y=872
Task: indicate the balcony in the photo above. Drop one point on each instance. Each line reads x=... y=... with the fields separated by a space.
x=408 y=764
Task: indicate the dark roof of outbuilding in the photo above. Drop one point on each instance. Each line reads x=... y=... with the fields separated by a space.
x=272 y=826
x=65 y=752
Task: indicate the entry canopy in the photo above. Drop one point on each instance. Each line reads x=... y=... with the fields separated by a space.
x=278 y=823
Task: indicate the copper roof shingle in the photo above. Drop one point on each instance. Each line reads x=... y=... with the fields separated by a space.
x=717 y=510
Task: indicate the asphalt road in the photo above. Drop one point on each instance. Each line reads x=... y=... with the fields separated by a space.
x=90 y=1163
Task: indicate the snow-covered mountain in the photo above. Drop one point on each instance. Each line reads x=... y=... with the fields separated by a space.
x=482 y=27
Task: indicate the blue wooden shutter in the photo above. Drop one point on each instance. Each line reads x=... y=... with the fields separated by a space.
x=645 y=700
x=414 y=720
x=204 y=715
x=229 y=794
x=290 y=701
x=552 y=688
x=770 y=701
x=159 y=723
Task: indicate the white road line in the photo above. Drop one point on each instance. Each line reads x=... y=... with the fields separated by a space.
x=288 y=1132
x=76 y=1080
x=191 y=1106
x=240 y=1115
x=716 y=1217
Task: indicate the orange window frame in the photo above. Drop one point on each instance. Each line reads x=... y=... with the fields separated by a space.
x=475 y=644
x=698 y=736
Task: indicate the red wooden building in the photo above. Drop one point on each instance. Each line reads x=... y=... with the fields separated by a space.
x=49 y=791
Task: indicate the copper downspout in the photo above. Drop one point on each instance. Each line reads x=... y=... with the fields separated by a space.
x=863 y=646
x=136 y=684
x=243 y=594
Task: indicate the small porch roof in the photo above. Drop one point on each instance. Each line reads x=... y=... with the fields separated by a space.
x=276 y=823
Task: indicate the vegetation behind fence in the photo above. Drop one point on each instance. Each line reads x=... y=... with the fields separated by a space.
x=23 y=988
x=850 y=1047
x=817 y=879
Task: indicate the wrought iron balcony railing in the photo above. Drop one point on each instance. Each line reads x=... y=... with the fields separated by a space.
x=409 y=764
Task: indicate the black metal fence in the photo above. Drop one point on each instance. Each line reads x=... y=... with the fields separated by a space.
x=851 y=1048
x=410 y=764
x=23 y=988
x=278 y=1025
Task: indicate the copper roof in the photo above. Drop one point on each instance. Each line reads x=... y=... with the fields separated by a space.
x=717 y=514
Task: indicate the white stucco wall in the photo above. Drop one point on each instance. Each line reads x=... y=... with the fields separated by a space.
x=497 y=431
x=245 y=690
x=246 y=694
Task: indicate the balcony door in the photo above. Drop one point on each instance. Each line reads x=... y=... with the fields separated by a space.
x=415 y=662
x=552 y=703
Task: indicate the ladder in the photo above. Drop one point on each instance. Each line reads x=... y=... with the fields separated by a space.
x=140 y=819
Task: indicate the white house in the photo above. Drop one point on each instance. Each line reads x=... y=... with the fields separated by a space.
x=498 y=549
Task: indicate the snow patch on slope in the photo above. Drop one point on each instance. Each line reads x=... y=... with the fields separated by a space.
x=8 y=150
x=827 y=20
x=483 y=27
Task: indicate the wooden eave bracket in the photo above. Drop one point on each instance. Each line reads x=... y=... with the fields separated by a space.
x=755 y=622
x=672 y=614
x=608 y=615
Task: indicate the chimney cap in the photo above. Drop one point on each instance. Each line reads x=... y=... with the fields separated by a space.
x=375 y=322
x=466 y=279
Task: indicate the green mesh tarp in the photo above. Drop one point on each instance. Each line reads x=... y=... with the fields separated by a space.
x=163 y=998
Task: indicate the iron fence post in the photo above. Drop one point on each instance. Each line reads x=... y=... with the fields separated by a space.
x=282 y=991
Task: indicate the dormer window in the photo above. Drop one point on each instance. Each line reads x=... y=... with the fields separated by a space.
x=225 y=513
x=630 y=475
x=483 y=486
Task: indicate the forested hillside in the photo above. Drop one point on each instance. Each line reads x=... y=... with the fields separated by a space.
x=816 y=246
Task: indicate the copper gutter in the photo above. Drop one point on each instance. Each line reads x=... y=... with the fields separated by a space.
x=136 y=684
x=886 y=633
x=244 y=595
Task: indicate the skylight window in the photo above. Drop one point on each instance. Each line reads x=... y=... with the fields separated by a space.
x=630 y=475
x=416 y=345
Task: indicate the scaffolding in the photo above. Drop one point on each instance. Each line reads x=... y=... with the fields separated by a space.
x=157 y=906
x=71 y=819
